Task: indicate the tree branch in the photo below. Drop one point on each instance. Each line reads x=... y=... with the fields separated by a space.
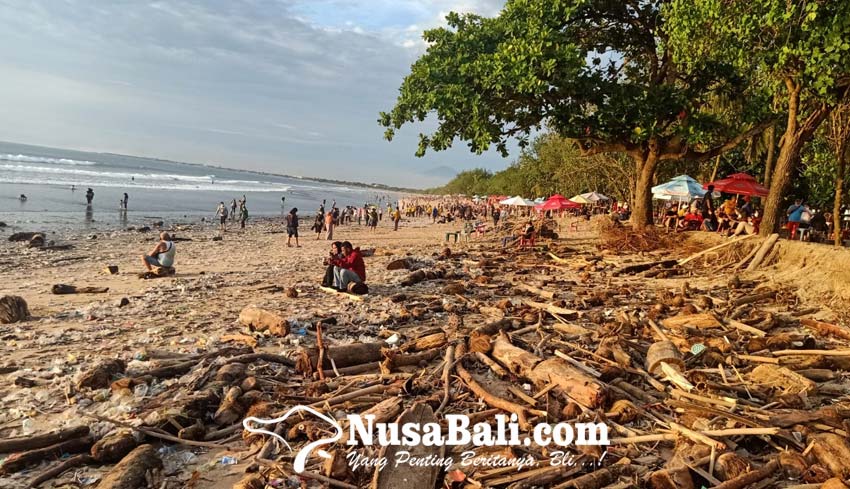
x=699 y=156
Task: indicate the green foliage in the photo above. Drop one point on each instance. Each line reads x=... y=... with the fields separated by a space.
x=598 y=71
x=807 y=41
x=550 y=164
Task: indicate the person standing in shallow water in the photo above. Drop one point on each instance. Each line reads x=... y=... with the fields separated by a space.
x=233 y=209
x=89 y=196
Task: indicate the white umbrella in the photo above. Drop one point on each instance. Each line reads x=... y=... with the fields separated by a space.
x=594 y=197
x=517 y=201
x=683 y=188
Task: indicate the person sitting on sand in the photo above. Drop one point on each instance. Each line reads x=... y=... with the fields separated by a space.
x=350 y=268
x=335 y=254
x=162 y=255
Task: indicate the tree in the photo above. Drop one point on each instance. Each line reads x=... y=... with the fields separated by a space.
x=839 y=140
x=598 y=72
x=797 y=50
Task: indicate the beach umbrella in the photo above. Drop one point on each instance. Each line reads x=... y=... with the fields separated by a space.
x=682 y=188
x=739 y=184
x=517 y=201
x=558 y=202
x=594 y=197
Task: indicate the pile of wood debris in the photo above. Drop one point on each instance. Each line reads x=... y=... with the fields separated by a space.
x=703 y=380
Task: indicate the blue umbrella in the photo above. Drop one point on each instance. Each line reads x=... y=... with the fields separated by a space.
x=683 y=188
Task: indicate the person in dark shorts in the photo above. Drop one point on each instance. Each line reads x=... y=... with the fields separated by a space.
x=335 y=254
x=221 y=213
x=292 y=227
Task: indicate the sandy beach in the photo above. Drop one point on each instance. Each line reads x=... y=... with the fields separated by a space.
x=192 y=313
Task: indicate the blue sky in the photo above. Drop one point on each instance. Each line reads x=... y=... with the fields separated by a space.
x=290 y=86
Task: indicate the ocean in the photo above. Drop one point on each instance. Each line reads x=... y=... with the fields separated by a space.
x=55 y=181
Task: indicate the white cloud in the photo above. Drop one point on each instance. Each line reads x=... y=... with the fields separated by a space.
x=237 y=82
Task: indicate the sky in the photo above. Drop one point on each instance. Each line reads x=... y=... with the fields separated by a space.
x=286 y=86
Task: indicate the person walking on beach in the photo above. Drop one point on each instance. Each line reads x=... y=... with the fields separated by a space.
x=496 y=213
x=243 y=215
x=319 y=224
x=292 y=228
x=221 y=213
x=124 y=202
x=373 y=221
x=329 y=225
x=283 y=201
x=233 y=209
x=89 y=196
x=396 y=218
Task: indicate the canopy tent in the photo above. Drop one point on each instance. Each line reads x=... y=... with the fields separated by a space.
x=739 y=184
x=590 y=198
x=539 y=200
x=517 y=201
x=681 y=188
x=558 y=202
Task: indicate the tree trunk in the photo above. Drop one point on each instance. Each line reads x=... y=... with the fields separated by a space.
x=771 y=154
x=645 y=165
x=795 y=137
x=839 y=192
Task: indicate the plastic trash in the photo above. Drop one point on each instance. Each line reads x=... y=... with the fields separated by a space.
x=227 y=460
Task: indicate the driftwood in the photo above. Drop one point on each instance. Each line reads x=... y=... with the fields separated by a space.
x=751 y=477
x=827 y=329
x=19 y=461
x=13 y=309
x=833 y=452
x=61 y=289
x=642 y=267
x=342 y=356
x=395 y=476
x=763 y=251
x=23 y=443
x=112 y=448
x=100 y=376
x=52 y=473
x=131 y=471
x=263 y=320
x=576 y=384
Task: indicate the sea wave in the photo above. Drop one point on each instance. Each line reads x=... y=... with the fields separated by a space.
x=35 y=175
x=45 y=159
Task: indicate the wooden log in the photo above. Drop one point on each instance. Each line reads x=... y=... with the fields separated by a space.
x=262 y=320
x=826 y=329
x=704 y=320
x=230 y=410
x=21 y=460
x=762 y=252
x=597 y=479
x=576 y=384
x=13 y=309
x=384 y=412
x=663 y=351
x=671 y=478
x=554 y=310
x=343 y=356
x=714 y=248
x=68 y=464
x=833 y=452
x=63 y=289
x=100 y=376
x=487 y=397
x=112 y=448
x=834 y=483
x=546 y=294
x=409 y=476
x=642 y=267
x=751 y=477
x=23 y=443
x=130 y=472
x=427 y=342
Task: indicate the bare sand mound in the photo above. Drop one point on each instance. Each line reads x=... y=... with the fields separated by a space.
x=820 y=272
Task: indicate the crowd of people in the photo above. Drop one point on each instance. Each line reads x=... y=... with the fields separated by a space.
x=739 y=215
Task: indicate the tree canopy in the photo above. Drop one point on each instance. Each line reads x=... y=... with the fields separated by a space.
x=598 y=72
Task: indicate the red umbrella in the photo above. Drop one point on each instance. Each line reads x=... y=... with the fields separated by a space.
x=739 y=184
x=558 y=202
